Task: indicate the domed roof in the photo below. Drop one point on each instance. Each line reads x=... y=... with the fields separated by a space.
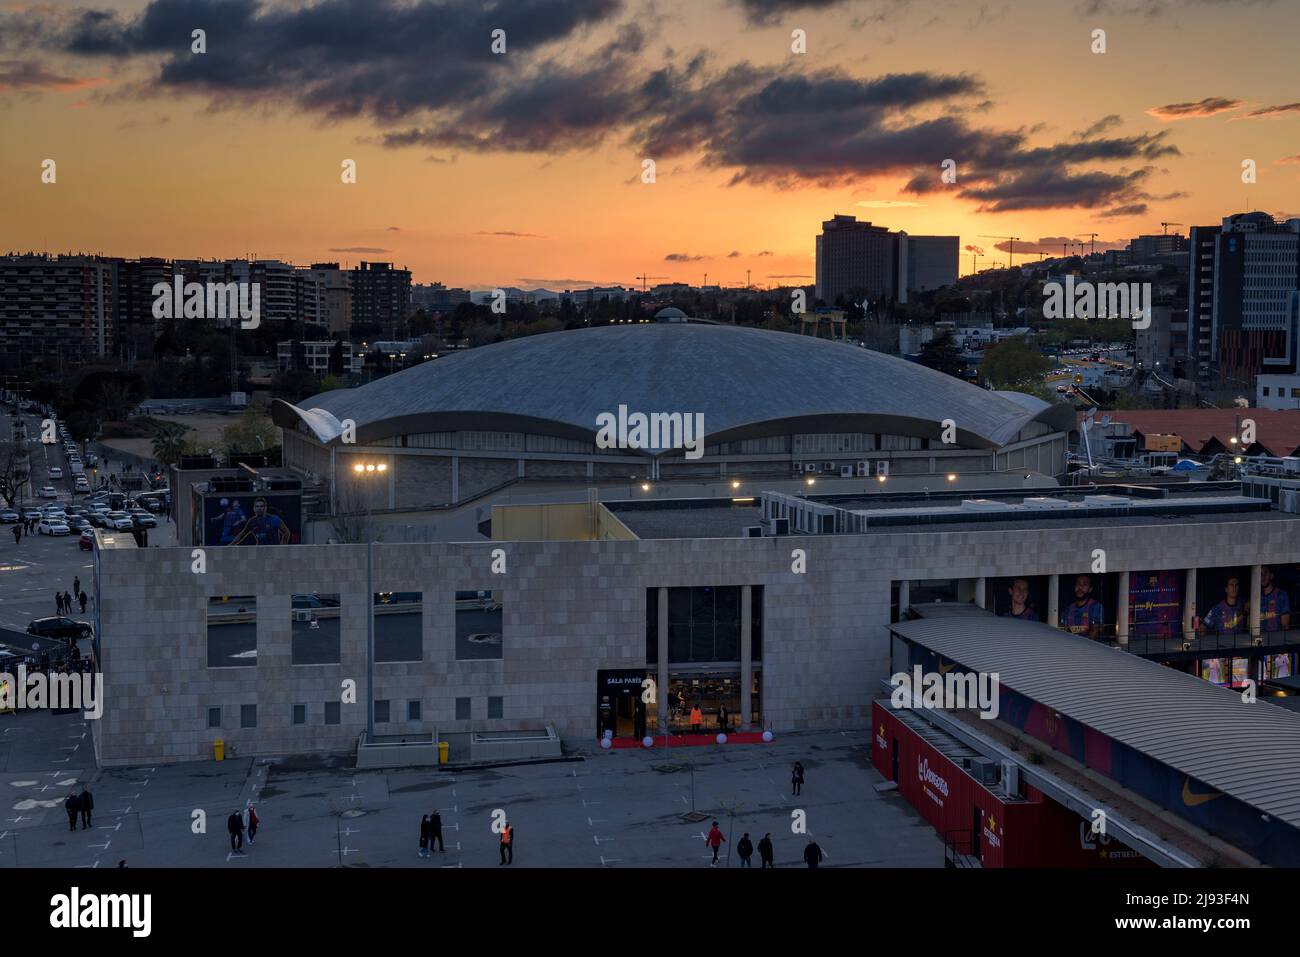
x=746 y=382
x=671 y=312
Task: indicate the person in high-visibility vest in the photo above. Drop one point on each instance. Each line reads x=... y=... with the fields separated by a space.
x=697 y=719
x=508 y=844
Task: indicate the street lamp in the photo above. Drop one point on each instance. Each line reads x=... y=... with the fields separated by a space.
x=370 y=469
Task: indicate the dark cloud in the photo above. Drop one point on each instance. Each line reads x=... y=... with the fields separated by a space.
x=422 y=73
x=766 y=252
x=31 y=75
x=1206 y=107
x=767 y=12
x=682 y=258
x=1103 y=125
x=393 y=229
x=1274 y=110
x=358 y=249
x=509 y=233
x=734 y=254
x=1133 y=209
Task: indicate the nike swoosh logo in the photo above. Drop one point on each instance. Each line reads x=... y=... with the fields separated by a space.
x=1192 y=799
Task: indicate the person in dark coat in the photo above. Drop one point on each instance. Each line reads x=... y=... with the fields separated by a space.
x=765 y=850
x=18 y=533
x=796 y=777
x=235 y=825
x=82 y=599
x=812 y=854
x=745 y=848
x=67 y=603
x=58 y=603
x=424 y=836
x=87 y=805
x=435 y=831
x=73 y=806
x=76 y=585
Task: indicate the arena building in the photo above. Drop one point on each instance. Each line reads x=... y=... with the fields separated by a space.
x=774 y=406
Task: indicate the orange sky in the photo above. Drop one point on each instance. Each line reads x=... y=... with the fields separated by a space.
x=149 y=172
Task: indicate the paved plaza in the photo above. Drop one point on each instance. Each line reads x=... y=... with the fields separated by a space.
x=601 y=809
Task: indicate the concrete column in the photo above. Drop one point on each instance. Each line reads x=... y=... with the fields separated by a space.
x=1121 y=610
x=392 y=481
x=1189 y=602
x=904 y=599
x=746 y=655
x=455 y=479
x=1054 y=600
x=661 y=692
x=1256 y=593
x=981 y=592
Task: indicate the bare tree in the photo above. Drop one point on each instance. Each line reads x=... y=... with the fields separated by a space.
x=15 y=468
x=352 y=520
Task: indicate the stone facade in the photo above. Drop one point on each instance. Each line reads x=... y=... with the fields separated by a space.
x=570 y=609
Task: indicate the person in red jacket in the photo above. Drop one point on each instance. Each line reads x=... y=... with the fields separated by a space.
x=714 y=840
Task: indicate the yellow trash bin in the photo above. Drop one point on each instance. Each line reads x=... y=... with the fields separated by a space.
x=443 y=748
x=219 y=749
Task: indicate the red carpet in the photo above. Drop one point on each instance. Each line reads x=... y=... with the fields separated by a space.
x=692 y=740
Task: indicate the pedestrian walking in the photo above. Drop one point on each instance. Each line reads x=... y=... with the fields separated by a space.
x=76 y=585
x=67 y=603
x=253 y=822
x=435 y=831
x=18 y=533
x=765 y=850
x=58 y=603
x=235 y=825
x=745 y=848
x=82 y=599
x=796 y=777
x=424 y=836
x=507 y=844
x=812 y=854
x=722 y=717
x=73 y=806
x=714 y=840
x=87 y=805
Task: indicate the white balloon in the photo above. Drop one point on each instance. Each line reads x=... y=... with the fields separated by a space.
x=648 y=741
x=606 y=743
x=722 y=738
x=767 y=735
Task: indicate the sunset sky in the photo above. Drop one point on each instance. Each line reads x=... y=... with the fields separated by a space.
x=478 y=169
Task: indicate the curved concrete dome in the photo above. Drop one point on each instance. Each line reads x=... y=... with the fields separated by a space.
x=746 y=382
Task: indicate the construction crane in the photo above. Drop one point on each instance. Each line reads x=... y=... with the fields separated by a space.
x=644 y=279
x=1094 y=243
x=1011 y=249
x=1167 y=225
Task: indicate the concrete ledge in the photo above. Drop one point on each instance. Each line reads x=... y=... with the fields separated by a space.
x=514 y=745
x=398 y=751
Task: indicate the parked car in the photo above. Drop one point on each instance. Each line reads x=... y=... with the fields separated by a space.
x=56 y=472
x=9 y=516
x=87 y=541
x=48 y=492
x=64 y=628
x=142 y=518
x=76 y=523
x=98 y=519
x=52 y=526
x=32 y=512
x=120 y=521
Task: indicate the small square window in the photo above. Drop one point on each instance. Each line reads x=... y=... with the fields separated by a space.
x=332 y=712
x=214 y=717
x=381 y=712
x=248 y=716
x=496 y=705
x=462 y=709
x=413 y=711
x=300 y=714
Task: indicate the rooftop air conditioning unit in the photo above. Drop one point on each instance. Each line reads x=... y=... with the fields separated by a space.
x=778 y=526
x=829 y=466
x=864 y=469
x=302 y=614
x=882 y=467
x=1291 y=465
x=754 y=531
x=810 y=467
x=846 y=471
x=1011 y=778
x=985 y=770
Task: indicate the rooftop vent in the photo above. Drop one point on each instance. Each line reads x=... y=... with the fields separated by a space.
x=1107 y=501
x=1043 y=502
